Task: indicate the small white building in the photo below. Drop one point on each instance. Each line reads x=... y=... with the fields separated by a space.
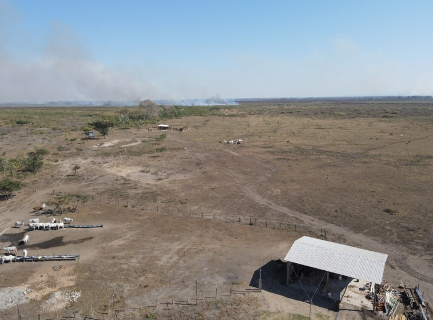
x=163 y=127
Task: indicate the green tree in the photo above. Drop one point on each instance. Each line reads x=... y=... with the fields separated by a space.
x=3 y=166
x=124 y=120
x=76 y=167
x=34 y=160
x=7 y=186
x=87 y=128
x=13 y=165
x=102 y=126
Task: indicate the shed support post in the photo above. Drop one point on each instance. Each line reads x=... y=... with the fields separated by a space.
x=289 y=272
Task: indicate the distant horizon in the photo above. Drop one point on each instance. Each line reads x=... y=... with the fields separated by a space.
x=206 y=102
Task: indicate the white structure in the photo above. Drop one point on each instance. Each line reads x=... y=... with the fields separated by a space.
x=338 y=258
x=163 y=127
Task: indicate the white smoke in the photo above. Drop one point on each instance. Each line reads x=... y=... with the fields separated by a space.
x=61 y=70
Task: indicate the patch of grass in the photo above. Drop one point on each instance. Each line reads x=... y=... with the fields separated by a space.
x=162 y=149
x=168 y=201
x=22 y=122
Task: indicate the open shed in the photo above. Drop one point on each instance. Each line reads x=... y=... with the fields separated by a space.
x=338 y=258
x=335 y=259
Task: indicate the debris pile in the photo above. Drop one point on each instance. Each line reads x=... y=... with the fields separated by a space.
x=413 y=304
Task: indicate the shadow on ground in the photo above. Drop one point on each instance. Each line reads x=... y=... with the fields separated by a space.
x=56 y=242
x=273 y=275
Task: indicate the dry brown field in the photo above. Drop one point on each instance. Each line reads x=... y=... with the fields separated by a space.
x=185 y=215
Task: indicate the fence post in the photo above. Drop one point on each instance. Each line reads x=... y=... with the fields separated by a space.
x=178 y=212
x=196 y=292
x=157 y=208
x=266 y=223
x=260 y=280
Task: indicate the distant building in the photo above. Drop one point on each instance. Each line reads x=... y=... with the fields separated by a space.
x=163 y=127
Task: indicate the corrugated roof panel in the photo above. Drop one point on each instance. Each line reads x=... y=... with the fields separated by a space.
x=338 y=258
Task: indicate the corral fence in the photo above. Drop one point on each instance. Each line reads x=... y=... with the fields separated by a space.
x=187 y=211
x=115 y=307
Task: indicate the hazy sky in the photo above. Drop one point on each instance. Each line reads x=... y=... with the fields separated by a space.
x=139 y=49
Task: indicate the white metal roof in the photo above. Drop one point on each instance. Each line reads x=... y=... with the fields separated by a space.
x=338 y=258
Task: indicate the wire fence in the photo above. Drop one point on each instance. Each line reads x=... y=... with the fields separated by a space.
x=116 y=309
x=191 y=212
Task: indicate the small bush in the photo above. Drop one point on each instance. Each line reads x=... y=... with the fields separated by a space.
x=22 y=122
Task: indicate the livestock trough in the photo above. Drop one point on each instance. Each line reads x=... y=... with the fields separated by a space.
x=85 y=226
x=48 y=258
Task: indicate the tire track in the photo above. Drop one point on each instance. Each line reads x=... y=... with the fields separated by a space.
x=401 y=263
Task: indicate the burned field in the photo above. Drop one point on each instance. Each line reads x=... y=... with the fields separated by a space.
x=180 y=207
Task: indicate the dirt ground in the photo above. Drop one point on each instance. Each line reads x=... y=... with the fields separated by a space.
x=186 y=216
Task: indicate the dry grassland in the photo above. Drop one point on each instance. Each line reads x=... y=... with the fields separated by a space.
x=171 y=205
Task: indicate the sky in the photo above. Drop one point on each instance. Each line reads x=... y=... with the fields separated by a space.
x=134 y=50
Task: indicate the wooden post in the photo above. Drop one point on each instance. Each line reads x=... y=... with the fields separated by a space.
x=216 y=293
x=266 y=223
x=178 y=212
x=260 y=280
x=157 y=208
x=196 y=292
